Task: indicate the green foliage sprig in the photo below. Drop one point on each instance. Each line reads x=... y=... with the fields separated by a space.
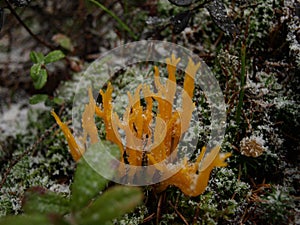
x=38 y=70
x=39 y=74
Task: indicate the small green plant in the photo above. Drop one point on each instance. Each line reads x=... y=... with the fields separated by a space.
x=38 y=71
x=85 y=205
x=39 y=74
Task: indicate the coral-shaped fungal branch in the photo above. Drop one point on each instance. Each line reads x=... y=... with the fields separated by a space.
x=148 y=144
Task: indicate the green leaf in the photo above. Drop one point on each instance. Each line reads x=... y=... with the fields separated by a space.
x=25 y=220
x=58 y=101
x=38 y=200
x=218 y=12
x=181 y=2
x=114 y=203
x=36 y=57
x=41 y=79
x=38 y=98
x=35 y=71
x=54 y=56
x=87 y=182
x=64 y=41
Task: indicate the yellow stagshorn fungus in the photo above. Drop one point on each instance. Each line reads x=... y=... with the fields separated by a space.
x=151 y=145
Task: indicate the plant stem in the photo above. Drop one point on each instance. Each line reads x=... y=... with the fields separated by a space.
x=242 y=91
x=109 y=12
x=12 y=10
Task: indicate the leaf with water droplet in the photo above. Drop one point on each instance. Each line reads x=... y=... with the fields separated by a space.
x=218 y=12
x=180 y=21
x=181 y=2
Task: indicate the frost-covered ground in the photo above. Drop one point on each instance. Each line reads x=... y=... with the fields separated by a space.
x=261 y=183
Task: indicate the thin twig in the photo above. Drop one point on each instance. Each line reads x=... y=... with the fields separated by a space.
x=196 y=215
x=13 y=11
x=159 y=208
x=178 y=213
x=149 y=218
